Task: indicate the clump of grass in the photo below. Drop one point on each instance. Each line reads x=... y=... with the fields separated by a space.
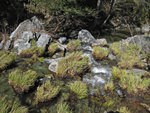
x=108 y=103
x=6 y=59
x=52 y=48
x=46 y=92
x=117 y=73
x=109 y=86
x=72 y=65
x=116 y=49
x=123 y=110
x=11 y=107
x=73 y=45
x=39 y=51
x=22 y=81
x=79 y=88
x=63 y=108
x=100 y=53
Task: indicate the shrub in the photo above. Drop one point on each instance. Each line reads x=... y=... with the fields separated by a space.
x=79 y=88
x=116 y=49
x=74 y=64
x=6 y=59
x=46 y=92
x=109 y=86
x=123 y=110
x=22 y=81
x=63 y=108
x=73 y=45
x=100 y=53
x=52 y=48
x=39 y=51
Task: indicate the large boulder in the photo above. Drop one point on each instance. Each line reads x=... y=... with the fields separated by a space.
x=85 y=37
x=140 y=40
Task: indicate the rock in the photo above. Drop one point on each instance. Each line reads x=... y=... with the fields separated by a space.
x=111 y=57
x=43 y=40
x=100 y=42
x=1 y=44
x=53 y=66
x=86 y=37
x=62 y=40
x=145 y=29
x=29 y=25
x=140 y=40
x=138 y=71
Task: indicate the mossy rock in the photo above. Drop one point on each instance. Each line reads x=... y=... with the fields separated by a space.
x=53 y=47
x=6 y=59
x=46 y=92
x=73 y=45
x=100 y=53
x=79 y=88
x=22 y=81
x=39 y=51
x=72 y=65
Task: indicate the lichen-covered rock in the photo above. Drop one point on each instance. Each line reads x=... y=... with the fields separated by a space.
x=85 y=36
x=100 y=42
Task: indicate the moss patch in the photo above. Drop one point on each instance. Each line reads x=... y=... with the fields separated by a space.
x=22 y=81
x=46 y=92
x=100 y=53
x=73 y=65
x=73 y=45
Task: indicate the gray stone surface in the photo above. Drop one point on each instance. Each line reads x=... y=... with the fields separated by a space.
x=53 y=66
x=86 y=37
x=62 y=40
x=100 y=42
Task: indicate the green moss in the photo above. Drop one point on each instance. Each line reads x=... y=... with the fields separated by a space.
x=100 y=53
x=116 y=49
x=79 y=88
x=109 y=86
x=123 y=110
x=39 y=51
x=73 y=45
x=22 y=81
x=52 y=48
x=46 y=92
x=6 y=59
x=117 y=73
x=72 y=65
x=63 y=108
x=11 y=107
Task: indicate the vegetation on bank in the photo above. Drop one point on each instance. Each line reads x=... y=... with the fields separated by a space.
x=109 y=86
x=6 y=59
x=46 y=92
x=53 y=47
x=79 y=88
x=63 y=108
x=73 y=45
x=73 y=65
x=22 y=81
x=100 y=53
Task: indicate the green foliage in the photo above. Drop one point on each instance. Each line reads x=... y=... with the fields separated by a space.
x=116 y=49
x=117 y=73
x=109 y=86
x=22 y=81
x=63 y=108
x=39 y=51
x=6 y=59
x=100 y=53
x=46 y=92
x=11 y=107
x=52 y=48
x=108 y=103
x=123 y=110
x=72 y=65
x=79 y=88
x=73 y=45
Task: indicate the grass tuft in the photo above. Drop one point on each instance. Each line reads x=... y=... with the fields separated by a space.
x=73 y=45
x=63 y=108
x=109 y=86
x=52 y=48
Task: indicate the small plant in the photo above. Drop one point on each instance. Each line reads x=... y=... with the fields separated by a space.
x=116 y=49
x=46 y=92
x=63 y=108
x=109 y=86
x=117 y=73
x=22 y=81
x=100 y=53
x=74 y=64
x=6 y=59
x=79 y=88
x=73 y=45
x=39 y=51
x=52 y=48
x=108 y=103
x=123 y=110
